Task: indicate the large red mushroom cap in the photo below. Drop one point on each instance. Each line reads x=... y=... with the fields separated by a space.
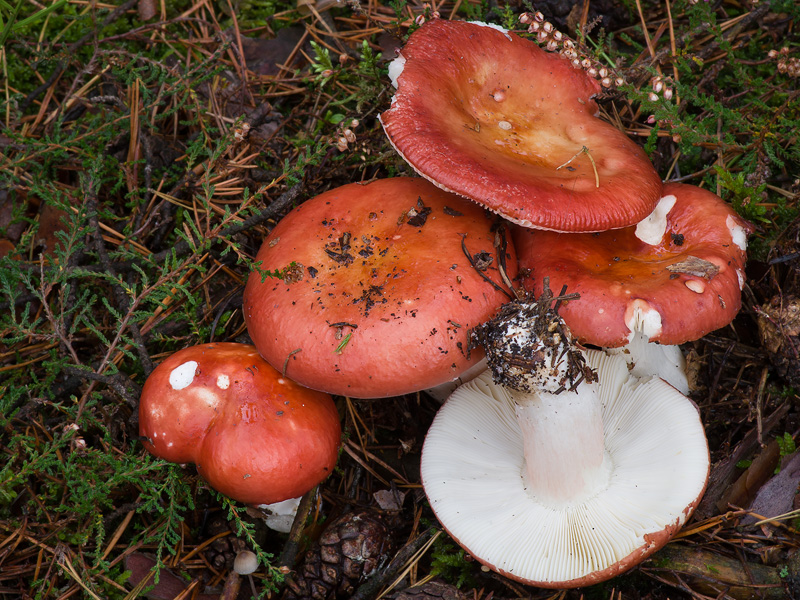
x=254 y=435
x=491 y=116
x=381 y=285
x=674 y=277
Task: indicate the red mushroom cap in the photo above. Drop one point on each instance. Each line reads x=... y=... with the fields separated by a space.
x=254 y=435
x=682 y=285
x=491 y=116
x=378 y=294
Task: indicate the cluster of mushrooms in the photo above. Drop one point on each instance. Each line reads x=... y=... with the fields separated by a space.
x=555 y=465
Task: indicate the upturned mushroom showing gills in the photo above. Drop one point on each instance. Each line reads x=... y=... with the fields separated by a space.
x=377 y=288
x=489 y=115
x=254 y=434
x=674 y=277
x=553 y=478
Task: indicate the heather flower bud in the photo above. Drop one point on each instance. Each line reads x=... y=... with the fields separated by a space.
x=603 y=72
x=552 y=45
x=667 y=93
x=420 y=20
x=605 y=82
x=652 y=96
x=341 y=144
x=592 y=71
x=539 y=17
x=525 y=18
x=349 y=135
x=548 y=26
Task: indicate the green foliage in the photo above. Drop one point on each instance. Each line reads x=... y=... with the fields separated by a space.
x=474 y=11
x=449 y=562
x=786 y=444
x=743 y=196
x=366 y=76
x=11 y=21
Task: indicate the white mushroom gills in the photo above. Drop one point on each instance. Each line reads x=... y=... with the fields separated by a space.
x=645 y=360
x=474 y=473
x=652 y=228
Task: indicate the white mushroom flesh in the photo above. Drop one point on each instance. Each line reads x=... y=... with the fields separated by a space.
x=396 y=69
x=640 y=317
x=738 y=233
x=182 y=376
x=652 y=228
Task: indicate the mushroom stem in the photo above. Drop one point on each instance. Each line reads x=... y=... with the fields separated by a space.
x=562 y=434
x=530 y=352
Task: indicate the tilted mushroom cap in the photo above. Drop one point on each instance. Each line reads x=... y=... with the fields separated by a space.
x=382 y=283
x=254 y=435
x=655 y=470
x=675 y=277
x=492 y=117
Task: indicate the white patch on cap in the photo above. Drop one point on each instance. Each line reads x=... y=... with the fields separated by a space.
x=183 y=375
x=396 y=68
x=503 y=30
x=223 y=382
x=652 y=228
x=504 y=125
x=641 y=317
x=738 y=234
x=695 y=285
x=740 y=277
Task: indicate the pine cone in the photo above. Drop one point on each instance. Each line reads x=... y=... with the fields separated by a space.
x=348 y=551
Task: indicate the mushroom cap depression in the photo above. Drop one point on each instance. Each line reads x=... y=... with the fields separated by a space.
x=473 y=471
x=491 y=116
x=378 y=295
x=675 y=277
x=254 y=435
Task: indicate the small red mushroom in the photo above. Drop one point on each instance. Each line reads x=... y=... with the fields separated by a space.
x=491 y=116
x=380 y=286
x=254 y=435
x=674 y=277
